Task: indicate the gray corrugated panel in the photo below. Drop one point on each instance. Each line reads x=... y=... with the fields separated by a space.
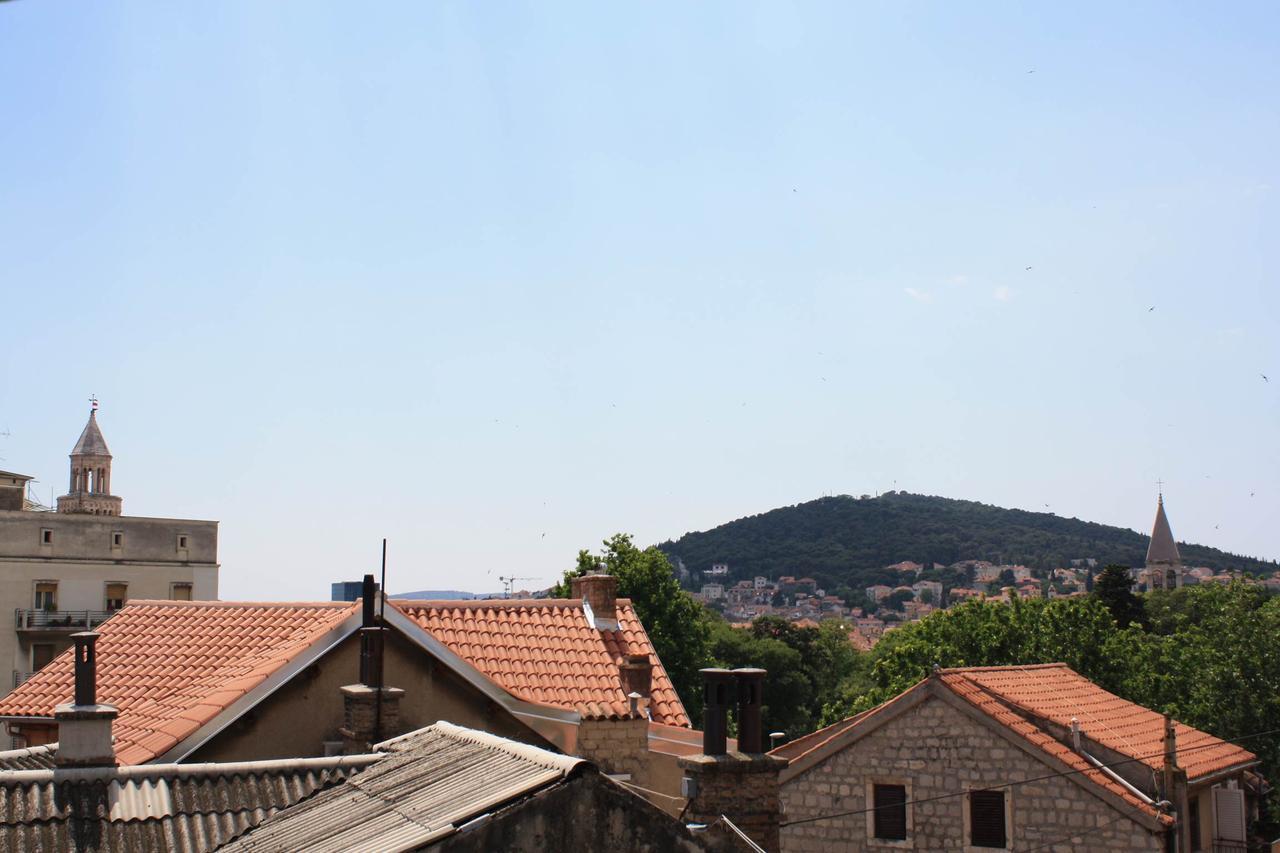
x=187 y=812
x=31 y=758
x=438 y=778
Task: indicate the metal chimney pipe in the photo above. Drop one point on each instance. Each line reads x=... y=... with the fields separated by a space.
x=86 y=667
x=371 y=647
x=716 y=684
x=368 y=597
x=750 y=699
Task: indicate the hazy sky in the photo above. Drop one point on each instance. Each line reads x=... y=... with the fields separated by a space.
x=497 y=280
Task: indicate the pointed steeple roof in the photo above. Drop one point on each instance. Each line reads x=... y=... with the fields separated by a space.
x=1162 y=548
x=91 y=442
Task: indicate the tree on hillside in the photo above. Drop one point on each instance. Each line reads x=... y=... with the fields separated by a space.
x=677 y=625
x=1114 y=588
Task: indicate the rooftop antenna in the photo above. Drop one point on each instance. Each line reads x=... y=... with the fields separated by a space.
x=508 y=583
x=382 y=612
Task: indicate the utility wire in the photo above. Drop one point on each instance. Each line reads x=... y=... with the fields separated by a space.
x=1092 y=769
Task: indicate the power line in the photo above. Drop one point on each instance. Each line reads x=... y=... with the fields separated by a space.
x=1094 y=768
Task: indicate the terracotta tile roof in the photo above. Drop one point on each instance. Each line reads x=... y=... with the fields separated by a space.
x=805 y=744
x=996 y=710
x=545 y=650
x=170 y=667
x=1057 y=693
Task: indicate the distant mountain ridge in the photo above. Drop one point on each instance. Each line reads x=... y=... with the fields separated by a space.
x=847 y=540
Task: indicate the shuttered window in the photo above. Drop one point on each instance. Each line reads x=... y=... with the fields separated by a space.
x=1228 y=807
x=181 y=592
x=891 y=812
x=986 y=819
x=117 y=593
x=46 y=595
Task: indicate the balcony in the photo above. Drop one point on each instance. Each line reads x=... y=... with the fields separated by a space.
x=1221 y=846
x=53 y=621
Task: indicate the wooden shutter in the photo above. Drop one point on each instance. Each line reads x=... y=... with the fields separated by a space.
x=891 y=812
x=117 y=593
x=986 y=819
x=182 y=592
x=1228 y=809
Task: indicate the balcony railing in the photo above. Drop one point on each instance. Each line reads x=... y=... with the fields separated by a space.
x=1220 y=846
x=59 y=620
x=19 y=677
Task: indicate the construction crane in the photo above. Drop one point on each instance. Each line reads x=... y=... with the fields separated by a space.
x=509 y=583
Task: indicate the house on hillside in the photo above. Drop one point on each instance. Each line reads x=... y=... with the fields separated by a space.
x=1014 y=758
x=231 y=681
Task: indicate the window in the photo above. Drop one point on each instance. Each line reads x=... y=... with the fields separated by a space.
x=117 y=539
x=41 y=654
x=46 y=595
x=182 y=541
x=1193 y=818
x=117 y=595
x=890 y=803
x=46 y=536
x=181 y=592
x=986 y=819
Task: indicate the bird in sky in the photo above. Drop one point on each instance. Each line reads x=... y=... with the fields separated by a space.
x=1028 y=267
x=1032 y=71
x=1152 y=308
x=1264 y=377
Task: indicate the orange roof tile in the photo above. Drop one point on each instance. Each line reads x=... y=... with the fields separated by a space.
x=993 y=708
x=545 y=650
x=170 y=667
x=1057 y=693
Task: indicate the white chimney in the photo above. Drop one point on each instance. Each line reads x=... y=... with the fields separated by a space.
x=84 y=726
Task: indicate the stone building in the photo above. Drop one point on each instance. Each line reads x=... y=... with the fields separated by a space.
x=67 y=571
x=1013 y=758
x=1164 y=564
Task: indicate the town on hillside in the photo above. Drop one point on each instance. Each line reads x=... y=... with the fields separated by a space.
x=923 y=589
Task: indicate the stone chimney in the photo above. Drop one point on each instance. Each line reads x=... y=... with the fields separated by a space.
x=600 y=592
x=637 y=677
x=741 y=785
x=84 y=726
x=371 y=711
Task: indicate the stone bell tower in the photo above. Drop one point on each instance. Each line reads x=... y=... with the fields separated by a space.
x=90 y=491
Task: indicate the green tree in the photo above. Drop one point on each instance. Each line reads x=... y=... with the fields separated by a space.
x=677 y=625
x=1114 y=588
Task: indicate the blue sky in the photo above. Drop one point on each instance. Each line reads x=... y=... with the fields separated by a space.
x=498 y=280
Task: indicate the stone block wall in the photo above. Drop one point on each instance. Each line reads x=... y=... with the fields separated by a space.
x=617 y=746
x=936 y=749
x=743 y=788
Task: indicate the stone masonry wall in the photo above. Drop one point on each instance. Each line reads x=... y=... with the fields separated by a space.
x=617 y=746
x=937 y=749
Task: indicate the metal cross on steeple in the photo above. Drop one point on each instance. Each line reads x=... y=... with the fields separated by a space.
x=93 y=401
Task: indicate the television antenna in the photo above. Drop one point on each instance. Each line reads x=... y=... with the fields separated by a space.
x=509 y=582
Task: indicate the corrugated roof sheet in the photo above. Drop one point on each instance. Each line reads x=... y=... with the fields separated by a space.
x=185 y=808
x=547 y=651
x=1057 y=693
x=170 y=667
x=31 y=758
x=434 y=780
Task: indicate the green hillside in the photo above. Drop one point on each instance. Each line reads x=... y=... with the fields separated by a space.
x=847 y=541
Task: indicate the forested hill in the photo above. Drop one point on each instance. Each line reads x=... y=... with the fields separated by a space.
x=844 y=540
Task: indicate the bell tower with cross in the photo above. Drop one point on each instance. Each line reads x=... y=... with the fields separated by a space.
x=90 y=489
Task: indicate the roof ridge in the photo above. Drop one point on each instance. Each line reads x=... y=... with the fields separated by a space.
x=1011 y=667
x=468 y=603
x=168 y=602
x=208 y=769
